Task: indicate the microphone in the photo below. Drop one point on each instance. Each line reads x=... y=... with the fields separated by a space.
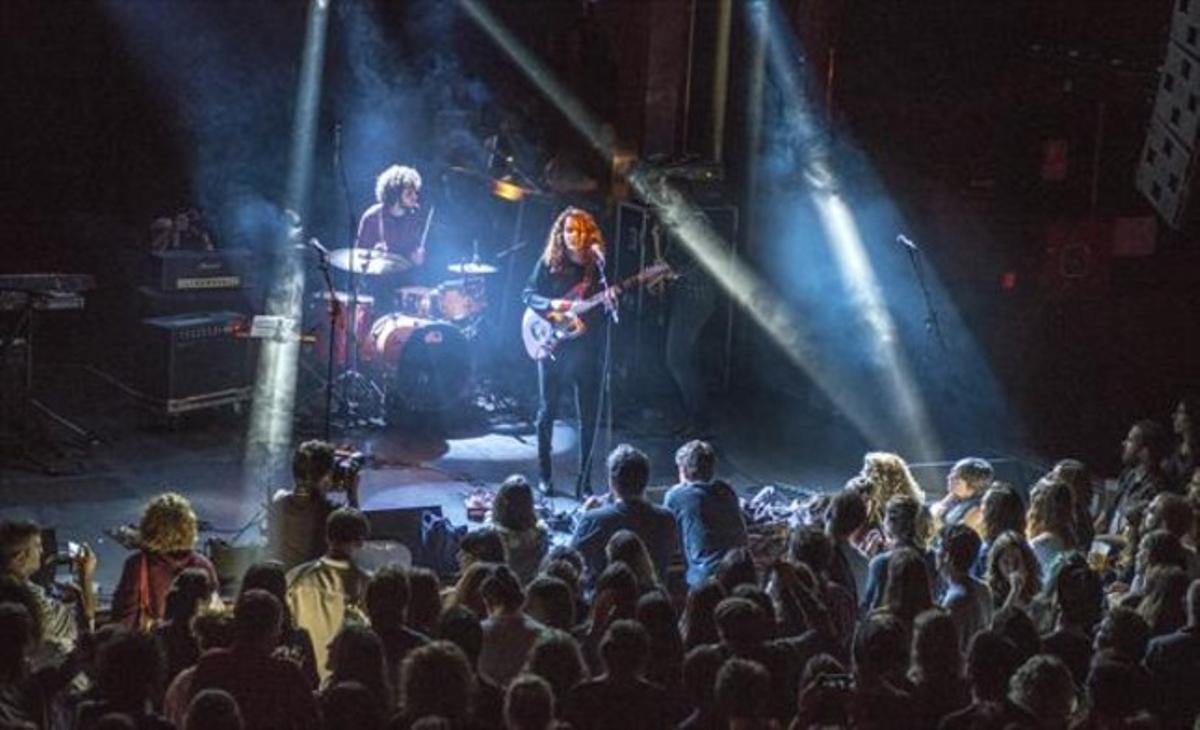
x=598 y=253
x=907 y=242
x=314 y=243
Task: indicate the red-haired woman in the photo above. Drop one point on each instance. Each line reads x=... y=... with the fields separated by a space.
x=565 y=273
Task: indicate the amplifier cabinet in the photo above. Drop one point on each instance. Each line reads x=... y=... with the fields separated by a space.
x=193 y=270
x=192 y=361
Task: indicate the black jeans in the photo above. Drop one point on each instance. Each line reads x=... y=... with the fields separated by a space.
x=576 y=367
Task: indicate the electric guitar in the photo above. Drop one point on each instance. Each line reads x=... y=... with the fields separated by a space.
x=542 y=332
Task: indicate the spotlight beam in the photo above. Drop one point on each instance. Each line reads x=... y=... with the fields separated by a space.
x=753 y=294
x=269 y=434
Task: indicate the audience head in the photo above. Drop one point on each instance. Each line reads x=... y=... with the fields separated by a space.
x=958 y=549
x=699 y=622
x=626 y=547
x=1002 y=511
x=436 y=679
x=468 y=591
x=656 y=614
x=1043 y=687
x=267 y=575
x=551 y=602
x=811 y=547
x=16 y=590
x=213 y=628
x=624 y=649
x=969 y=476
x=765 y=603
x=189 y=590
x=700 y=667
x=740 y=622
x=1010 y=558
x=460 y=626
x=887 y=476
x=1124 y=633
x=424 y=600
x=1077 y=476
x=481 y=546
x=900 y=519
x=346 y=529
x=880 y=648
x=387 y=598
x=1163 y=606
x=743 y=690
x=1015 y=625
x=356 y=655
x=556 y=658
x=628 y=472
x=935 y=647
x=312 y=465
x=168 y=524
x=847 y=512
x=213 y=709
x=1147 y=444
x=697 y=461
x=528 y=704
x=1051 y=510
x=513 y=508
x=257 y=619
x=991 y=660
x=1171 y=512
x=1160 y=549
x=1114 y=688
x=567 y=554
x=1078 y=594
x=20 y=548
x=130 y=665
x=736 y=567
x=350 y=704
x=501 y=591
x=564 y=571
x=621 y=585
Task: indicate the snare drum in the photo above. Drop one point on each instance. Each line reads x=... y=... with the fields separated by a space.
x=459 y=299
x=341 y=332
x=426 y=365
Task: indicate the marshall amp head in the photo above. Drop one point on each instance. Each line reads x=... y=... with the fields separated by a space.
x=191 y=270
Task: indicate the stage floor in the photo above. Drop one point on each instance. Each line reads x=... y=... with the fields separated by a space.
x=760 y=441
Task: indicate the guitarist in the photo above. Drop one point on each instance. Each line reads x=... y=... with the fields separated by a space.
x=566 y=273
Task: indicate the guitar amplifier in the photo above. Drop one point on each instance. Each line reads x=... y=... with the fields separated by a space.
x=192 y=270
x=193 y=361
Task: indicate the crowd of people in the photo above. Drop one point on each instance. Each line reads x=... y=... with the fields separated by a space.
x=995 y=606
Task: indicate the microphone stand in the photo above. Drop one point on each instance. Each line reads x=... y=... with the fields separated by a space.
x=932 y=325
x=604 y=402
x=335 y=313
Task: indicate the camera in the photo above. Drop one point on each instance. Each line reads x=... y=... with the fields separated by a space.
x=347 y=463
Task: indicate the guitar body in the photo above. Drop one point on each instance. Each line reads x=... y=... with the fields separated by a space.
x=543 y=333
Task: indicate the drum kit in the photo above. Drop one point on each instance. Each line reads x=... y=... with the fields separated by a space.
x=412 y=353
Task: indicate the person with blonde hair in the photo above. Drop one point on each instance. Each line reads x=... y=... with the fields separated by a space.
x=885 y=475
x=168 y=537
x=569 y=271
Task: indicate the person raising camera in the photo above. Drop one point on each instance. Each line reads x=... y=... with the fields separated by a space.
x=296 y=519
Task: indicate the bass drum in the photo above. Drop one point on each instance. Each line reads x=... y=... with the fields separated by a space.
x=426 y=365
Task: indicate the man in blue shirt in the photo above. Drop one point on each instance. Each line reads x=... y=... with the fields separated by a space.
x=706 y=512
x=627 y=509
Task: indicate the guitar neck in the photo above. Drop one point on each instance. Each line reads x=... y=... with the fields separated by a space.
x=596 y=299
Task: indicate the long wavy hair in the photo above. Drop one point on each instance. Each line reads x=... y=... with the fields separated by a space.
x=1052 y=510
x=555 y=253
x=888 y=476
x=998 y=581
x=168 y=524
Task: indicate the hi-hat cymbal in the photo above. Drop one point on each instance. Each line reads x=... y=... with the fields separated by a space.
x=472 y=268
x=368 y=261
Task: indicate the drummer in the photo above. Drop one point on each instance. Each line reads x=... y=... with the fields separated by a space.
x=394 y=224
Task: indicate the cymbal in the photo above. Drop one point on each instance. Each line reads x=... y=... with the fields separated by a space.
x=472 y=268
x=368 y=261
